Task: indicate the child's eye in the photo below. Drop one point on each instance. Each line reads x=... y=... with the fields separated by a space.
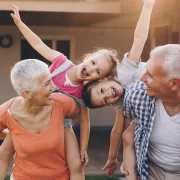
x=102 y=91
x=105 y=101
x=93 y=62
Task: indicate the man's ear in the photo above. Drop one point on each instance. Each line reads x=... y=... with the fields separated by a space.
x=175 y=84
x=26 y=94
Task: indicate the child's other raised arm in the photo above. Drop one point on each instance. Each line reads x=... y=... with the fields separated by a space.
x=141 y=31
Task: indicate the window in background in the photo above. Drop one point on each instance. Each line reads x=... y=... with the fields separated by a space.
x=160 y=36
x=27 y=52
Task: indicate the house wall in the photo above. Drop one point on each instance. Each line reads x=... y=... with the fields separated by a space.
x=8 y=57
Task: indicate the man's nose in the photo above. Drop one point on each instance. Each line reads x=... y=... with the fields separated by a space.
x=143 y=77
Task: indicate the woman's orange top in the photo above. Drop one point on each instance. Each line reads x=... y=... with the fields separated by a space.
x=40 y=156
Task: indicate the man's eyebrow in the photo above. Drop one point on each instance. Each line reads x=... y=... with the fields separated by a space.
x=148 y=71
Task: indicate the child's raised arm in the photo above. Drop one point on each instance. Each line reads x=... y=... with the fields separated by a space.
x=141 y=31
x=84 y=134
x=32 y=38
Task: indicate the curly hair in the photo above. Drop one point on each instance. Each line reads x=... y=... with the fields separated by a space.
x=113 y=56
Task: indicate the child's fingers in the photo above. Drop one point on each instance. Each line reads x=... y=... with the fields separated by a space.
x=14 y=12
x=123 y=171
x=15 y=9
x=82 y=157
x=110 y=173
x=86 y=161
x=105 y=167
x=12 y=15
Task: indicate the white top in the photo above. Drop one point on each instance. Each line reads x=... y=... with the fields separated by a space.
x=164 y=145
x=68 y=82
x=127 y=72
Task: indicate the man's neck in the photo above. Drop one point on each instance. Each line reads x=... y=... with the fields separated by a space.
x=171 y=105
x=173 y=99
x=172 y=109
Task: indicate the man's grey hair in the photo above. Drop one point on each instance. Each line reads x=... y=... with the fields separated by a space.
x=25 y=74
x=171 y=54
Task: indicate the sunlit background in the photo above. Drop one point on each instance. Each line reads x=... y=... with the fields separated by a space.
x=77 y=27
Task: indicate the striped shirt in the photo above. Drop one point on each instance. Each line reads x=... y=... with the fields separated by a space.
x=138 y=105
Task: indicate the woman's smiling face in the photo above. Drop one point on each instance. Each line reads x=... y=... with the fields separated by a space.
x=45 y=87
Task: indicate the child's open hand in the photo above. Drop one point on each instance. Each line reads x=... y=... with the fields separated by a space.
x=84 y=157
x=15 y=15
x=111 y=167
x=150 y=2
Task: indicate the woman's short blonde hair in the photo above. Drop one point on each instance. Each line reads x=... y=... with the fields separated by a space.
x=25 y=74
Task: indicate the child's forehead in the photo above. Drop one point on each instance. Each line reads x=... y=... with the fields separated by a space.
x=100 y=54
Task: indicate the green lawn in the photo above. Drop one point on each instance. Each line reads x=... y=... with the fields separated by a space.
x=7 y=178
x=117 y=177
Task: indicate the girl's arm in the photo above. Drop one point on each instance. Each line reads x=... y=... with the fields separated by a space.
x=84 y=134
x=32 y=38
x=141 y=31
x=115 y=141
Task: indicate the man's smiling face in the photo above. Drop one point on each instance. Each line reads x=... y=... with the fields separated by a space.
x=155 y=78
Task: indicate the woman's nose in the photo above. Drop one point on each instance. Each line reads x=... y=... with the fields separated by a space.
x=53 y=86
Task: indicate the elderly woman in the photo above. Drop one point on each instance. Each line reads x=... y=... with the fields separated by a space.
x=35 y=120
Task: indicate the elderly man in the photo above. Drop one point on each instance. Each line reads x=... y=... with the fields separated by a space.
x=156 y=101
x=155 y=104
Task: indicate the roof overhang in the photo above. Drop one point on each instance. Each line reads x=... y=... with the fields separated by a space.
x=88 y=6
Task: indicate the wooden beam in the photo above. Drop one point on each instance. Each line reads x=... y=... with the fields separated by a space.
x=108 y=7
